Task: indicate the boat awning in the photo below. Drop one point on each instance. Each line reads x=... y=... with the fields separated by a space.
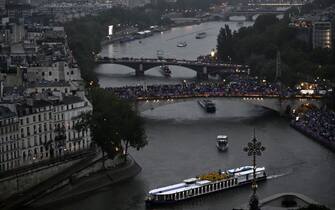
x=222 y=137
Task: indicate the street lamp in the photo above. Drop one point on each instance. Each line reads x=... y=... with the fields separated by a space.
x=254 y=149
x=212 y=53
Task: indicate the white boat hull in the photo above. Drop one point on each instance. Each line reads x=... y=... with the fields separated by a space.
x=182 y=191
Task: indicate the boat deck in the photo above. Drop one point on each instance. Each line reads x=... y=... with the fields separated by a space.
x=180 y=187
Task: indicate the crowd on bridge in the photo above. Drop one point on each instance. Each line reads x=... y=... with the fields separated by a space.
x=319 y=124
x=236 y=87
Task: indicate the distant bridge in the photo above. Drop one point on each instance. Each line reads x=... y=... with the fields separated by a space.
x=248 y=14
x=200 y=67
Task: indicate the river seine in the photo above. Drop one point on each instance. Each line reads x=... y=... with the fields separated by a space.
x=182 y=137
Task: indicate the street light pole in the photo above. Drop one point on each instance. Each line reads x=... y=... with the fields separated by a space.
x=254 y=149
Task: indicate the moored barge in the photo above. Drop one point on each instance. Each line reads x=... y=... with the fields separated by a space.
x=207 y=105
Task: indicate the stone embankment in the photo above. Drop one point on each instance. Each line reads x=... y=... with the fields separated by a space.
x=67 y=180
x=79 y=187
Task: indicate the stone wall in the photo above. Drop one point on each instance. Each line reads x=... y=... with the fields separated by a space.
x=23 y=180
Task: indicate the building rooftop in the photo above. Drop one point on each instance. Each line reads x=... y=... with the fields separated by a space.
x=6 y=113
x=71 y=99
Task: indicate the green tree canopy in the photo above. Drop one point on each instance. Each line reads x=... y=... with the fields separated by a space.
x=257 y=46
x=113 y=123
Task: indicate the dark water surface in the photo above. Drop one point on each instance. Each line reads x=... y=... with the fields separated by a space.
x=182 y=137
x=182 y=145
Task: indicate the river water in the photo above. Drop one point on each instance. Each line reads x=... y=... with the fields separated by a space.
x=182 y=137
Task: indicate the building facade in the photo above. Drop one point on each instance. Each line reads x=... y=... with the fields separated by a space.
x=42 y=128
x=9 y=140
x=36 y=131
x=322 y=35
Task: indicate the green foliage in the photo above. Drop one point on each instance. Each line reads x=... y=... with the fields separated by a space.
x=264 y=21
x=85 y=34
x=224 y=44
x=195 y=4
x=316 y=4
x=114 y=125
x=257 y=46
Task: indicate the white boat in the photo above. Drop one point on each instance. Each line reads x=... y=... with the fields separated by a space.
x=182 y=44
x=204 y=184
x=200 y=35
x=222 y=142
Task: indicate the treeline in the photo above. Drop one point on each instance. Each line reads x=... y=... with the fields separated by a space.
x=185 y=4
x=317 y=4
x=258 y=46
x=85 y=34
x=196 y=4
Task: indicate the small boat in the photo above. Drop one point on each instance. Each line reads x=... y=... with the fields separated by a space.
x=160 y=54
x=200 y=35
x=207 y=105
x=182 y=44
x=165 y=71
x=204 y=184
x=222 y=142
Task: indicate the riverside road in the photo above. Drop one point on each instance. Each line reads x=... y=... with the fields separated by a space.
x=182 y=137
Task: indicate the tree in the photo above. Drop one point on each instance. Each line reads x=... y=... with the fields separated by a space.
x=264 y=21
x=114 y=125
x=224 y=46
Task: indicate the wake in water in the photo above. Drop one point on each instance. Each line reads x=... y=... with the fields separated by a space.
x=280 y=175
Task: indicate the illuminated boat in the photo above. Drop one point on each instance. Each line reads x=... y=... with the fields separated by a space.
x=204 y=184
x=222 y=142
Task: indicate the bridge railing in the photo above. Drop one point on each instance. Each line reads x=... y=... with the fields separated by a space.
x=167 y=61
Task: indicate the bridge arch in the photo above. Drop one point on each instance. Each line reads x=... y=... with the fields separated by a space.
x=141 y=68
x=172 y=65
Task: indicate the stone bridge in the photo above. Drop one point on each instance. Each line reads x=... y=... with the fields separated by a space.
x=201 y=68
x=282 y=105
x=248 y=14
